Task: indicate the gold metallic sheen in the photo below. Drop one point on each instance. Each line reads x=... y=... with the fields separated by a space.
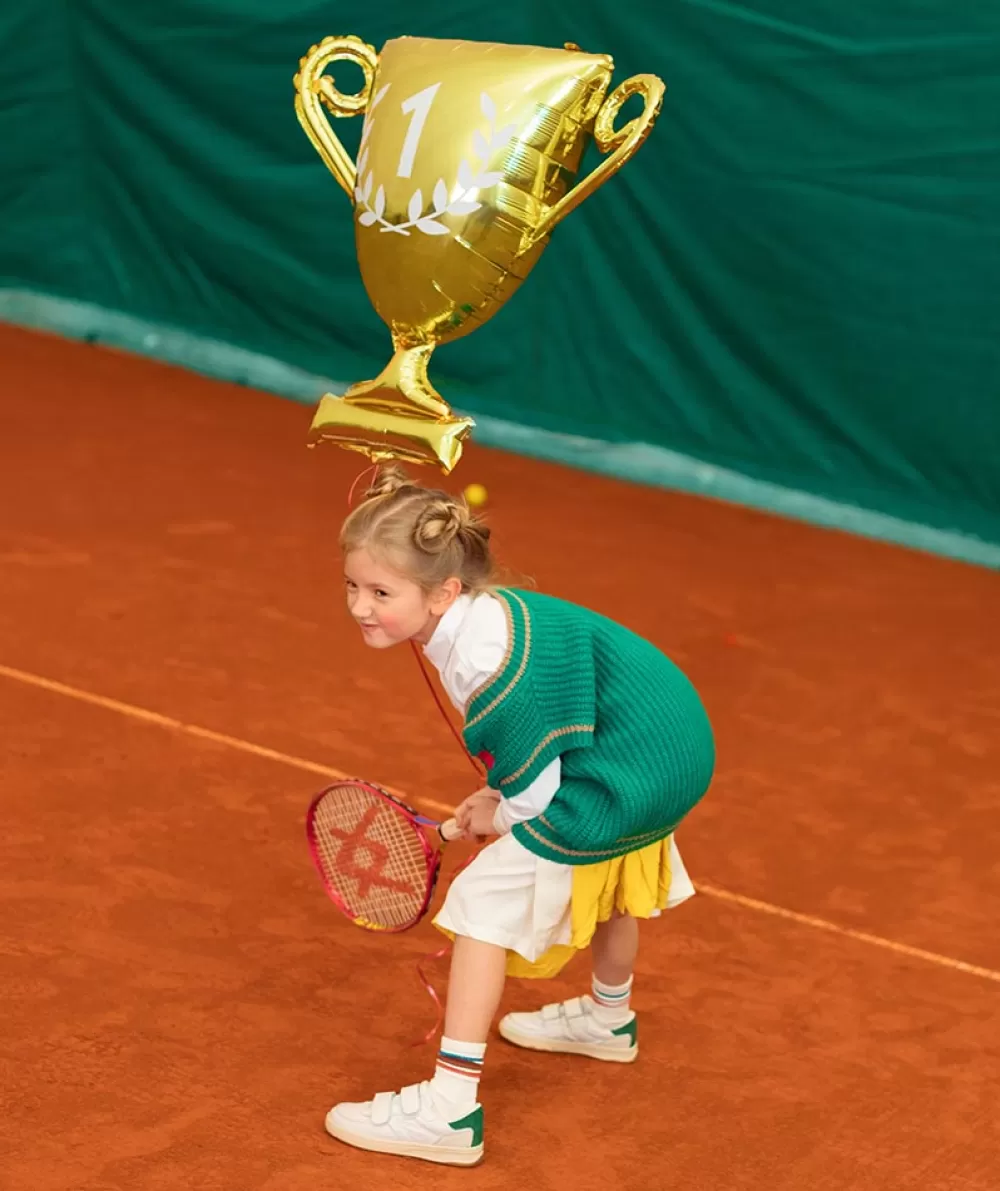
x=468 y=160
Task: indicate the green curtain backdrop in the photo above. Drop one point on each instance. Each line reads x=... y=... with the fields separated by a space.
x=796 y=278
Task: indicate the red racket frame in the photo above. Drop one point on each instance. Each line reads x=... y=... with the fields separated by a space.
x=432 y=854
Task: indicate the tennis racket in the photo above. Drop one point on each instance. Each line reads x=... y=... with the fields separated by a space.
x=374 y=857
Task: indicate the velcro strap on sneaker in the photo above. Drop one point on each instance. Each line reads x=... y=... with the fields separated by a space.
x=382 y=1108
x=409 y=1099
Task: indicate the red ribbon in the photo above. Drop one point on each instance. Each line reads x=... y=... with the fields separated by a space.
x=487 y=761
x=432 y=993
x=421 y=975
x=440 y=706
x=372 y=471
x=433 y=957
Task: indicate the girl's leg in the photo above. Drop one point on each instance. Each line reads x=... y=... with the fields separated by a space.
x=440 y=1120
x=603 y=1028
x=614 y=948
x=474 y=990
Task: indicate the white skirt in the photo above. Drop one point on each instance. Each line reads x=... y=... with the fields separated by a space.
x=522 y=902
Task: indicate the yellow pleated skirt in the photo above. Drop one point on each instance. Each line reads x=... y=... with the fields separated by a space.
x=513 y=899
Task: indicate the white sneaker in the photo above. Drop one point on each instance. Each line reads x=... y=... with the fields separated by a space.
x=571 y=1029
x=409 y=1123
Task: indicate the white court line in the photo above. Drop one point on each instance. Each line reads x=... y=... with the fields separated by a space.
x=166 y=721
x=257 y=750
x=847 y=932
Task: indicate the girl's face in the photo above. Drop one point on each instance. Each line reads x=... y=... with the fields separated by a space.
x=388 y=606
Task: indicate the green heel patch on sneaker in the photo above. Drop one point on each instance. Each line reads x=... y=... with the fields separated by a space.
x=473 y=1121
x=631 y=1028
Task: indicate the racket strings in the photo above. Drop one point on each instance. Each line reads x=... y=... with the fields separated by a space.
x=374 y=859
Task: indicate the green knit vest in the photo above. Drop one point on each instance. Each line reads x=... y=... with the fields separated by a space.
x=636 y=746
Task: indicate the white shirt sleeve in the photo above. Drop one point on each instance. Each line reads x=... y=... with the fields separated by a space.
x=476 y=654
x=530 y=802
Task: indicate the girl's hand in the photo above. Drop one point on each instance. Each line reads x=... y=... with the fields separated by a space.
x=475 y=814
x=463 y=808
x=479 y=820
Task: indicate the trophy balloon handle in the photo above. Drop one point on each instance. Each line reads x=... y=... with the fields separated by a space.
x=314 y=92
x=621 y=144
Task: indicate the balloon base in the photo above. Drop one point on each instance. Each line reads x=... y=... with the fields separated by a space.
x=376 y=428
x=398 y=415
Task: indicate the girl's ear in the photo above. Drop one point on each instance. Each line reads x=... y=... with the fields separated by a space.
x=444 y=596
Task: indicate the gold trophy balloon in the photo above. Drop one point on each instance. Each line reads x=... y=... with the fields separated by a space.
x=468 y=159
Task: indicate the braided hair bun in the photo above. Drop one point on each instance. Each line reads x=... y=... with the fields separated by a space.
x=389 y=479
x=431 y=533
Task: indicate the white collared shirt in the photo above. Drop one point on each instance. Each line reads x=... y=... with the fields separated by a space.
x=467 y=648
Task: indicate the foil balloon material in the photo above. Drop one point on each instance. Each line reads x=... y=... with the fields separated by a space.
x=468 y=159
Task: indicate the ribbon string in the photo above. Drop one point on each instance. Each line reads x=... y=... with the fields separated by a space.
x=480 y=771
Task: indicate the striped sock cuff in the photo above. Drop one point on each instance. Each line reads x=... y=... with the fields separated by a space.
x=464 y=1059
x=612 y=996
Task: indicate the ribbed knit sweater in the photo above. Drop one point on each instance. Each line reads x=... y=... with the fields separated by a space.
x=636 y=746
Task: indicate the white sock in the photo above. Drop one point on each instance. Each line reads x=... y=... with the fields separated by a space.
x=611 y=1003
x=456 y=1076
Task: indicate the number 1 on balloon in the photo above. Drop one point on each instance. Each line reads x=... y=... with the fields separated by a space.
x=420 y=106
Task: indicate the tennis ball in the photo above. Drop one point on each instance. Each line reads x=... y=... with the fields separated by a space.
x=475 y=495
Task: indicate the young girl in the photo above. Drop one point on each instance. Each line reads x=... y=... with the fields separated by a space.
x=596 y=746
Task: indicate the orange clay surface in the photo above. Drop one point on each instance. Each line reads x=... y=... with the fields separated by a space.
x=181 y=1004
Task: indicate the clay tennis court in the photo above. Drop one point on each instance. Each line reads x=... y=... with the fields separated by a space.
x=181 y=1004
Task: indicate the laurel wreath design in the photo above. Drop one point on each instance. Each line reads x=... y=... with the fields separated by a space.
x=455 y=201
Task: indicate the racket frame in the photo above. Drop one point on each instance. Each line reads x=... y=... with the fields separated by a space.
x=432 y=855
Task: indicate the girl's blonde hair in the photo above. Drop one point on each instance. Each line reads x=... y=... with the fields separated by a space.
x=426 y=534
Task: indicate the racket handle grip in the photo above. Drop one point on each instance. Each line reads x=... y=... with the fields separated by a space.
x=450 y=830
